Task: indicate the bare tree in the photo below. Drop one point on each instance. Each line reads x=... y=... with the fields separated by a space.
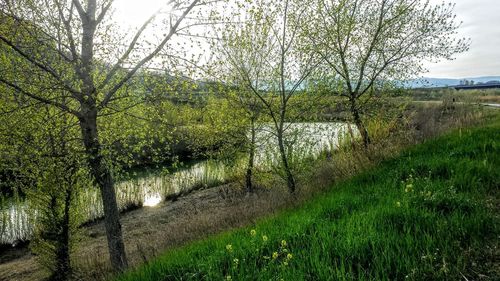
x=76 y=51
x=366 y=44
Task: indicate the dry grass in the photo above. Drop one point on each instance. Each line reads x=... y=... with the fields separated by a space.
x=150 y=231
x=429 y=120
x=421 y=215
x=418 y=123
x=489 y=99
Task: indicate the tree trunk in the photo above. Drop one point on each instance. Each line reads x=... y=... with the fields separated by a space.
x=359 y=124
x=88 y=124
x=284 y=160
x=251 y=159
x=104 y=180
x=61 y=239
x=63 y=270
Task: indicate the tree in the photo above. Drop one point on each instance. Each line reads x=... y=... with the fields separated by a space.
x=366 y=45
x=54 y=197
x=39 y=144
x=261 y=54
x=246 y=108
x=77 y=54
x=253 y=109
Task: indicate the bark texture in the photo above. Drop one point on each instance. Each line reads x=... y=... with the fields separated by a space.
x=359 y=124
x=63 y=259
x=104 y=180
x=290 y=180
x=251 y=159
x=88 y=125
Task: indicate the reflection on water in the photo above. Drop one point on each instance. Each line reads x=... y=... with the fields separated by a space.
x=302 y=139
x=16 y=222
x=152 y=200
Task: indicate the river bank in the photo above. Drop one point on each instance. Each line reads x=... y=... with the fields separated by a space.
x=18 y=220
x=149 y=231
x=429 y=213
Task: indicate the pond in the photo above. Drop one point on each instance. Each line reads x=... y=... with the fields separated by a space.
x=306 y=139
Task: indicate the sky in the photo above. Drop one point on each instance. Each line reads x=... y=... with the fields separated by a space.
x=481 y=23
x=132 y=13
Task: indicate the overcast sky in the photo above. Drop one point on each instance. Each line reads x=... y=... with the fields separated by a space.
x=481 y=23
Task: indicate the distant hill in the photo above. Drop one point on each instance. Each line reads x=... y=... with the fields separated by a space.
x=427 y=82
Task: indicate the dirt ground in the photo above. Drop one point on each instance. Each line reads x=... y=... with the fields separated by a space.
x=149 y=231
x=152 y=230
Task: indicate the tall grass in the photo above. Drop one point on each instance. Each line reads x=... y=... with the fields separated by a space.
x=17 y=222
x=309 y=140
x=429 y=214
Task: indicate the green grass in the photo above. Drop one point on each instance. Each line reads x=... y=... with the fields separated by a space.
x=425 y=215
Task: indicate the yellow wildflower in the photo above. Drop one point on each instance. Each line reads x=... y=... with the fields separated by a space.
x=253 y=232
x=228 y=277
x=283 y=243
x=264 y=238
x=289 y=256
x=398 y=204
x=236 y=261
x=275 y=255
x=229 y=247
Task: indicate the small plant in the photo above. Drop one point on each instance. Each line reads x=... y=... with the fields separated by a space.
x=273 y=258
x=423 y=192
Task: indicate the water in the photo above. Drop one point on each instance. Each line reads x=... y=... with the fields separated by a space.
x=16 y=222
x=492 y=104
x=302 y=140
x=306 y=139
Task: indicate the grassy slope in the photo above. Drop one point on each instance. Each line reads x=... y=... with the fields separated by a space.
x=426 y=215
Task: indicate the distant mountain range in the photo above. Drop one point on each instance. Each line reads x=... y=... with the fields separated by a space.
x=427 y=82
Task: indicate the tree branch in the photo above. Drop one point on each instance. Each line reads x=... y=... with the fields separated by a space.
x=38 y=64
x=125 y=55
x=148 y=57
x=40 y=99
